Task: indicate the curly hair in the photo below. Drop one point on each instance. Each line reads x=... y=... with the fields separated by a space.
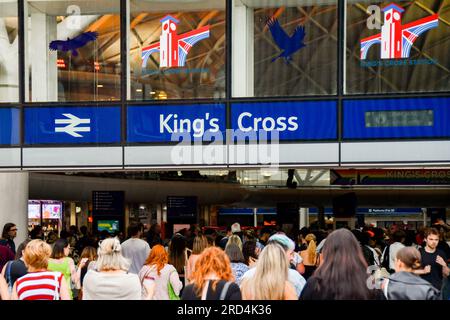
x=158 y=257
x=212 y=260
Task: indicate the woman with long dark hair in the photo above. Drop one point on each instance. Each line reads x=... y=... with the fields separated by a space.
x=342 y=273
x=178 y=254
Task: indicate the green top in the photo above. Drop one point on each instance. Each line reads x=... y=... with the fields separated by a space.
x=64 y=268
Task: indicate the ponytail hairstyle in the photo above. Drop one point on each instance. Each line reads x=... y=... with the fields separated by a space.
x=311 y=250
x=410 y=257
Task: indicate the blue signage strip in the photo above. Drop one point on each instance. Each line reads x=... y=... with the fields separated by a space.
x=200 y=122
x=396 y=118
x=72 y=125
x=9 y=126
x=312 y=120
x=376 y=211
x=246 y=211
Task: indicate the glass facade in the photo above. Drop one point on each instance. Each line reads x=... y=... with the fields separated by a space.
x=129 y=75
x=397 y=47
x=9 y=46
x=294 y=46
x=177 y=51
x=73 y=50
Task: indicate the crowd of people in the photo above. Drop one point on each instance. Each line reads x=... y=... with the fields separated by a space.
x=203 y=264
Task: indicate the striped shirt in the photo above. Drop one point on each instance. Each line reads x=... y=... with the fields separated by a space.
x=44 y=285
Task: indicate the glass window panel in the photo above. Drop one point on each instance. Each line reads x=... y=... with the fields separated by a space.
x=73 y=50
x=395 y=48
x=284 y=48
x=9 y=57
x=177 y=49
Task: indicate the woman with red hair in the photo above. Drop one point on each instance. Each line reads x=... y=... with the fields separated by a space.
x=212 y=278
x=157 y=274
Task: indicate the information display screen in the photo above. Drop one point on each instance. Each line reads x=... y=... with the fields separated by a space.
x=404 y=118
x=109 y=225
x=51 y=210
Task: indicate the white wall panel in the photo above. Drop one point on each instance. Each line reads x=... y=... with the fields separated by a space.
x=10 y=157
x=404 y=151
x=66 y=157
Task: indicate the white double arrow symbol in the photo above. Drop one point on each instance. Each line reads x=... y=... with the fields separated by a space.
x=72 y=125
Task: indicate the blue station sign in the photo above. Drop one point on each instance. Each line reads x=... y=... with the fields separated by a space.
x=9 y=126
x=312 y=120
x=396 y=118
x=199 y=122
x=72 y=125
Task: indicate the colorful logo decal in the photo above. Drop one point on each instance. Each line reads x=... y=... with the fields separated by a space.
x=289 y=45
x=396 y=39
x=173 y=48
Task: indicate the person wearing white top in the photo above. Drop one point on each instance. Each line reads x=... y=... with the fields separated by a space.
x=111 y=280
x=398 y=237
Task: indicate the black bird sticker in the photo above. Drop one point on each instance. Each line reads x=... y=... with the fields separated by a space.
x=73 y=44
x=288 y=45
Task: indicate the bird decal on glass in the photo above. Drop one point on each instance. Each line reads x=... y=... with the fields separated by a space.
x=73 y=44
x=288 y=44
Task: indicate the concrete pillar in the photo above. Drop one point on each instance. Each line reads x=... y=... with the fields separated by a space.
x=9 y=58
x=303 y=215
x=14 y=203
x=44 y=71
x=243 y=55
x=73 y=214
x=255 y=217
x=424 y=214
x=126 y=219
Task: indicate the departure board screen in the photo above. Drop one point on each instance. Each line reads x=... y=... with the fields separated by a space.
x=403 y=118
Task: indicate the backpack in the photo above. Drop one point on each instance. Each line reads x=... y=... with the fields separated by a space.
x=386 y=258
x=8 y=276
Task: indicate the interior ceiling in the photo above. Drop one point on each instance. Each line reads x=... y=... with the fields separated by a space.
x=78 y=188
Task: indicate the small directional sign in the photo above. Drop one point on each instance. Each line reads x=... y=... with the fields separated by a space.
x=72 y=125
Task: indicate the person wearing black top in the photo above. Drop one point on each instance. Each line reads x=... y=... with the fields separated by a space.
x=233 y=292
x=15 y=269
x=434 y=260
x=342 y=274
x=212 y=278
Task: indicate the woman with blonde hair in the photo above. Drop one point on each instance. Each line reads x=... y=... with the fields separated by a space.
x=309 y=256
x=270 y=280
x=234 y=239
x=157 y=275
x=39 y=283
x=111 y=280
x=200 y=244
x=212 y=278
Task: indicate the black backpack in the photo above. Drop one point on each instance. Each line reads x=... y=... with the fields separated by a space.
x=386 y=258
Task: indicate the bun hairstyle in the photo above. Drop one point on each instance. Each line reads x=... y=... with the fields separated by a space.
x=410 y=256
x=110 y=256
x=110 y=246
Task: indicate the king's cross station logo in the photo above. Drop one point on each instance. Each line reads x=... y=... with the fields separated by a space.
x=396 y=39
x=172 y=47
